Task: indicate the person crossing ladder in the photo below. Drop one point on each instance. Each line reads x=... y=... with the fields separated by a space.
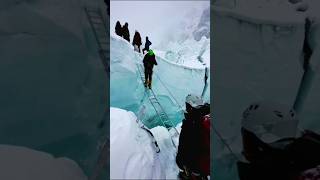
x=149 y=61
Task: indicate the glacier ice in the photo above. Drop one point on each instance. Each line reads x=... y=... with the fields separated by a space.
x=172 y=82
x=259 y=52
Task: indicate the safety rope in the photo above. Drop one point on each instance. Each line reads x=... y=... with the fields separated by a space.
x=225 y=143
x=157 y=102
x=169 y=92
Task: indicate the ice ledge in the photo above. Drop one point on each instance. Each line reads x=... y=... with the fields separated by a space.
x=278 y=16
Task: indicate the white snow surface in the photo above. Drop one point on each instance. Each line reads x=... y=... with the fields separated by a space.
x=19 y=163
x=188 y=40
x=177 y=28
x=132 y=155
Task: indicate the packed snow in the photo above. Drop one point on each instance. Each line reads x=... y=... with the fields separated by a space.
x=189 y=45
x=23 y=163
x=132 y=152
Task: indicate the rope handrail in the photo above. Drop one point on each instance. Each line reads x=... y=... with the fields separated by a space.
x=225 y=143
x=157 y=102
x=169 y=92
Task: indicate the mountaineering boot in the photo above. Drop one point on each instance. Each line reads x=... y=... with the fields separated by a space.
x=146 y=83
x=149 y=84
x=183 y=175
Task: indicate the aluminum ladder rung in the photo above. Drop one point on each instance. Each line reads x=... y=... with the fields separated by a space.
x=97 y=22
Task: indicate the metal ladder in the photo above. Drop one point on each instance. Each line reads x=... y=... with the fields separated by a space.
x=166 y=122
x=99 y=28
x=98 y=25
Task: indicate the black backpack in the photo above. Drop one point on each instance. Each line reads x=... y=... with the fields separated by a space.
x=284 y=159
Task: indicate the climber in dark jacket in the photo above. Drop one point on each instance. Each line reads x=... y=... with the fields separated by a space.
x=149 y=61
x=125 y=32
x=146 y=45
x=193 y=156
x=137 y=40
x=118 y=29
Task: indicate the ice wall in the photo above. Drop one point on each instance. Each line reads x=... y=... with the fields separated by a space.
x=171 y=83
x=258 y=55
x=309 y=115
x=53 y=84
x=179 y=79
x=126 y=88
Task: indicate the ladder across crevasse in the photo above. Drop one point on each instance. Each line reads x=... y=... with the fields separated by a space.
x=166 y=122
x=98 y=26
x=99 y=29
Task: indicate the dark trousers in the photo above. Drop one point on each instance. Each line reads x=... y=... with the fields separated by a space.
x=148 y=74
x=145 y=49
x=138 y=48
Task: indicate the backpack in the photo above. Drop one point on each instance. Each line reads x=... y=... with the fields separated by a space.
x=284 y=159
x=194 y=141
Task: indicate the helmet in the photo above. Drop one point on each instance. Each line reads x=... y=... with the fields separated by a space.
x=194 y=100
x=270 y=121
x=150 y=52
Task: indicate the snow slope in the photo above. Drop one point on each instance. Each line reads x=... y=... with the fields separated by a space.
x=132 y=153
x=187 y=40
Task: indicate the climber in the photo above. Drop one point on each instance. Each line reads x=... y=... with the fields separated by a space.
x=149 y=61
x=193 y=157
x=125 y=32
x=271 y=142
x=136 y=42
x=146 y=45
x=118 y=29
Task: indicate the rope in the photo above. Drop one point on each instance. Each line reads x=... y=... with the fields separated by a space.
x=169 y=91
x=158 y=113
x=225 y=143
